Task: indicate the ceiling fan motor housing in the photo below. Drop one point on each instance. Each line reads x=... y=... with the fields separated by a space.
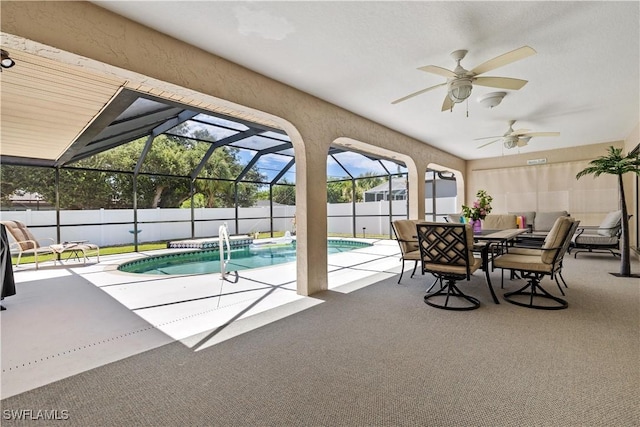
x=459 y=89
x=510 y=141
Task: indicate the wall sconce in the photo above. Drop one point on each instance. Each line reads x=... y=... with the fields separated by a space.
x=6 y=61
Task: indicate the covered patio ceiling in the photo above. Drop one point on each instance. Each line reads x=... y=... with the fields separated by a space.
x=54 y=114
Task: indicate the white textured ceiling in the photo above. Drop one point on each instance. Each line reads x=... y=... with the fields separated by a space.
x=584 y=81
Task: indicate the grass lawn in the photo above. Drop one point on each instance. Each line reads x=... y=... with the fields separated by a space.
x=109 y=250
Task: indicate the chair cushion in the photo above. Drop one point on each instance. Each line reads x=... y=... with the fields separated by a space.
x=412 y=256
x=555 y=238
x=525 y=251
x=500 y=222
x=522 y=262
x=475 y=264
x=544 y=221
x=406 y=230
x=21 y=235
x=609 y=225
x=594 y=240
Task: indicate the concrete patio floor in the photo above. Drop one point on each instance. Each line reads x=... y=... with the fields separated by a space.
x=70 y=318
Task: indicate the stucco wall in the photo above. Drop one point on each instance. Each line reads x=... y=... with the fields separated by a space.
x=565 y=156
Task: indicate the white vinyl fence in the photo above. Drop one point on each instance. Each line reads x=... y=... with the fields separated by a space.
x=115 y=227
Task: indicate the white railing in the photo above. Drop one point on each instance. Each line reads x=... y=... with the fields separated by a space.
x=223 y=243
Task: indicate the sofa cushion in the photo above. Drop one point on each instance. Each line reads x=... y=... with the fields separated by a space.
x=545 y=220
x=529 y=216
x=499 y=222
x=609 y=225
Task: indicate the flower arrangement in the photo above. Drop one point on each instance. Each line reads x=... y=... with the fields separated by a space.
x=481 y=207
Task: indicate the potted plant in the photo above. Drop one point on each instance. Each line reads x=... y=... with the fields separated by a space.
x=480 y=209
x=614 y=163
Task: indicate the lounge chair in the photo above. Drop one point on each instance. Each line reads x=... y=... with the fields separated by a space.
x=26 y=243
x=602 y=238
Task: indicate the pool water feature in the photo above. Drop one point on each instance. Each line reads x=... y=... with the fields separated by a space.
x=242 y=258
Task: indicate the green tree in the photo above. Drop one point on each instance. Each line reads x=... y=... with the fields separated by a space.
x=198 y=202
x=335 y=191
x=16 y=179
x=614 y=163
x=217 y=180
x=366 y=182
x=284 y=193
x=342 y=191
x=163 y=182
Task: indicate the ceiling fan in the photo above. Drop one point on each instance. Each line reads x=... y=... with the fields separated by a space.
x=460 y=81
x=515 y=138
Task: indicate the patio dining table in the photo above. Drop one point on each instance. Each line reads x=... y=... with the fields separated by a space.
x=485 y=240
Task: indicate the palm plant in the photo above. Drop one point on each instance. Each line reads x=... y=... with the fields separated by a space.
x=614 y=163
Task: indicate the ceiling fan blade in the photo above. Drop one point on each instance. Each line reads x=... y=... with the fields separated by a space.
x=532 y=134
x=484 y=145
x=420 y=92
x=500 y=82
x=522 y=142
x=520 y=132
x=438 y=70
x=504 y=59
x=447 y=104
x=487 y=137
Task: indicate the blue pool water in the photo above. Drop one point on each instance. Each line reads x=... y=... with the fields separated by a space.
x=242 y=258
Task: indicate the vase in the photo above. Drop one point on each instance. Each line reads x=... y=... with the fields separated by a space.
x=477 y=225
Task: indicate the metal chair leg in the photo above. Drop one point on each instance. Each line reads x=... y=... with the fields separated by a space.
x=434 y=283
x=450 y=290
x=555 y=276
x=414 y=269
x=562 y=278
x=533 y=290
x=401 y=271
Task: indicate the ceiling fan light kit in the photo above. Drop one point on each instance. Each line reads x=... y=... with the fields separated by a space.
x=459 y=89
x=491 y=100
x=510 y=141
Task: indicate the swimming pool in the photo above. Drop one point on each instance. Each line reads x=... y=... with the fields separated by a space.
x=242 y=258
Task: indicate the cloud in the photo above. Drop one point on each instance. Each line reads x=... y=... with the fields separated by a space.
x=262 y=24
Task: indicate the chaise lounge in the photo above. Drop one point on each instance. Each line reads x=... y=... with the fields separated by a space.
x=26 y=243
x=603 y=238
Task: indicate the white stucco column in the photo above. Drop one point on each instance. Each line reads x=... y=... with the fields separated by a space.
x=311 y=216
x=416 y=173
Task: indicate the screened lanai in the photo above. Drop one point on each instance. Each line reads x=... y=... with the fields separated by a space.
x=148 y=170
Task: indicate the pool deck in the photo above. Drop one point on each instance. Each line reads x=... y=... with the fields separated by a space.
x=70 y=318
